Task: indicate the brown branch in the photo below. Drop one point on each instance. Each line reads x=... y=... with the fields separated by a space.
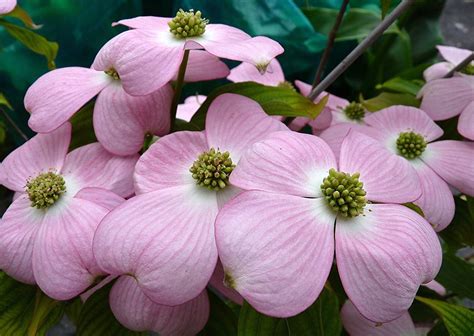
x=461 y=65
x=15 y=126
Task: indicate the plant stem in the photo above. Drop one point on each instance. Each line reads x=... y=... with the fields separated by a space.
x=461 y=65
x=332 y=36
x=178 y=89
x=360 y=49
x=15 y=126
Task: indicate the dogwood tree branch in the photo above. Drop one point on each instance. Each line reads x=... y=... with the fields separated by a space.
x=14 y=125
x=461 y=65
x=359 y=50
x=178 y=89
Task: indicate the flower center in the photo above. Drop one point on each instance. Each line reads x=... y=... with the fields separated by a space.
x=344 y=193
x=45 y=189
x=187 y=24
x=468 y=69
x=212 y=169
x=286 y=84
x=410 y=144
x=113 y=73
x=354 y=111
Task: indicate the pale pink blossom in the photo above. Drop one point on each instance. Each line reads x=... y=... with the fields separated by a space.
x=246 y=72
x=149 y=55
x=277 y=240
x=6 y=6
x=452 y=55
x=190 y=106
x=164 y=237
x=47 y=232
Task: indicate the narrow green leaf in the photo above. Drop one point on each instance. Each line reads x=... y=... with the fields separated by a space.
x=22 y=15
x=82 y=128
x=460 y=233
x=253 y=323
x=96 y=317
x=386 y=99
x=222 y=320
x=400 y=85
x=457 y=276
x=4 y=101
x=415 y=208
x=33 y=41
x=385 y=6
x=24 y=307
x=322 y=318
x=458 y=320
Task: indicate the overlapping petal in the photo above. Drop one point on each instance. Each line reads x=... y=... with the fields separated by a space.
x=121 y=120
x=277 y=250
x=387 y=178
x=145 y=22
x=452 y=54
x=165 y=239
x=103 y=197
x=436 y=71
x=285 y=162
x=466 y=122
x=388 y=253
x=217 y=283
x=42 y=153
x=248 y=72
x=191 y=104
x=60 y=93
x=137 y=312
x=203 y=66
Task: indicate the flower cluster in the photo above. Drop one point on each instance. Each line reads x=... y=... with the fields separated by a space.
x=248 y=206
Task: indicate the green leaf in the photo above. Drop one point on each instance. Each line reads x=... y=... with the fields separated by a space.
x=457 y=319
x=385 y=6
x=322 y=318
x=82 y=128
x=415 y=208
x=24 y=309
x=253 y=323
x=279 y=101
x=20 y=14
x=4 y=101
x=33 y=41
x=386 y=99
x=460 y=233
x=96 y=317
x=400 y=85
x=222 y=320
x=457 y=276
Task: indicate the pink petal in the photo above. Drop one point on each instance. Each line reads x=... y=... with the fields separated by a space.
x=436 y=287
x=225 y=195
x=145 y=22
x=358 y=325
x=263 y=50
x=388 y=253
x=121 y=121
x=102 y=197
x=436 y=200
x=42 y=153
x=447 y=97
x=335 y=135
x=437 y=70
x=234 y=122
x=63 y=263
x=285 y=162
x=322 y=121
x=203 y=66
x=7 y=6
x=191 y=104
x=247 y=72
x=334 y=102
x=137 y=312
x=60 y=93
x=397 y=119
x=452 y=54
x=165 y=239
x=145 y=60
x=279 y=267
x=466 y=122
x=387 y=177
x=93 y=166
x=298 y=123
x=166 y=163
x=453 y=161
x=217 y=283
x=221 y=33
x=18 y=228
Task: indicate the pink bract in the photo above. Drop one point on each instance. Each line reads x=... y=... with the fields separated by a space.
x=247 y=72
x=453 y=57
x=6 y=6
x=190 y=106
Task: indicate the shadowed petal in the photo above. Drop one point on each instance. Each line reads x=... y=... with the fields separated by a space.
x=60 y=93
x=42 y=153
x=102 y=197
x=388 y=252
x=277 y=250
x=137 y=312
x=191 y=105
x=165 y=239
x=466 y=122
x=437 y=70
x=387 y=178
x=203 y=66
x=217 y=283
x=121 y=121
x=248 y=72
x=285 y=162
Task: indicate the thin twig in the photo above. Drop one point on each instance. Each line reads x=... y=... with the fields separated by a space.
x=15 y=126
x=461 y=65
x=359 y=50
x=332 y=36
x=178 y=89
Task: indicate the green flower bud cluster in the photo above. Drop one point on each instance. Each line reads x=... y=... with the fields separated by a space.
x=45 y=189
x=344 y=193
x=411 y=145
x=113 y=73
x=354 y=111
x=187 y=24
x=212 y=169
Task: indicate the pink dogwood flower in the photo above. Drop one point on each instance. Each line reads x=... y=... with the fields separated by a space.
x=47 y=231
x=246 y=72
x=277 y=240
x=448 y=97
x=357 y=325
x=453 y=57
x=164 y=237
x=150 y=54
x=191 y=105
x=6 y=6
